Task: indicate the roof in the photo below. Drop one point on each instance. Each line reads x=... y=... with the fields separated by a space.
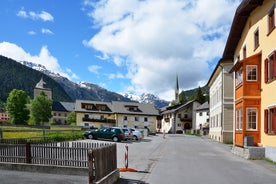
x=176 y=108
x=69 y=106
x=240 y=18
x=119 y=107
x=219 y=64
x=78 y=106
x=142 y=108
x=63 y=106
x=204 y=106
x=41 y=84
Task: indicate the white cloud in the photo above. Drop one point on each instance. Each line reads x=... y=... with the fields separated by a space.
x=46 y=31
x=156 y=40
x=118 y=75
x=44 y=58
x=43 y=15
x=94 y=69
x=32 y=33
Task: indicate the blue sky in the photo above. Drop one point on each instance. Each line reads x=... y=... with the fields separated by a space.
x=134 y=46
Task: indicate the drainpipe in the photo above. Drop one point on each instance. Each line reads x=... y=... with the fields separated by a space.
x=222 y=101
x=174 y=119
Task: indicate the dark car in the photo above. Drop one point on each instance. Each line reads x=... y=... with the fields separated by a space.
x=112 y=133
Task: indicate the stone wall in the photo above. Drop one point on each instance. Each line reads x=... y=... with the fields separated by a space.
x=249 y=152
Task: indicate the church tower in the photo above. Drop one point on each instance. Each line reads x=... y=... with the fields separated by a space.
x=177 y=90
x=41 y=86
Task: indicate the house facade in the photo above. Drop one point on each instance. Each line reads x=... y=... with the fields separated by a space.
x=255 y=73
x=4 y=116
x=94 y=113
x=115 y=113
x=202 y=116
x=60 y=111
x=179 y=118
x=221 y=102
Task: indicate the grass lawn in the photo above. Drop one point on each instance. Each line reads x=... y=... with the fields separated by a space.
x=29 y=132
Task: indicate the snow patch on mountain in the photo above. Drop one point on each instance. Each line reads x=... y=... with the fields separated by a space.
x=143 y=98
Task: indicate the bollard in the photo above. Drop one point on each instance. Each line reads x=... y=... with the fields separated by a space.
x=126 y=156
x=126 y=162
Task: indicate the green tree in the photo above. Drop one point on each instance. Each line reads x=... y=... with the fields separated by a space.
x=71 y=118
x=17 y=107
x=199 y=95
x=41 y=109
x=182 y=97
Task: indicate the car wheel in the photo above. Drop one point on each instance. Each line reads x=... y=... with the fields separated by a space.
x=135 y=137
x=90 y=136
x=115 y=139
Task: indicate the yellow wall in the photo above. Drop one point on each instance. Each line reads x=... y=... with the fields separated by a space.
x=80 y=122
x=132 y=123
x=258 y=19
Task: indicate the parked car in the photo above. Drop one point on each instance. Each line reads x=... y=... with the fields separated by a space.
x=115 y=134
x=136 y=134
x=128 y=133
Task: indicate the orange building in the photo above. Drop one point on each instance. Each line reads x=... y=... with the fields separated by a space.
x=247 y=100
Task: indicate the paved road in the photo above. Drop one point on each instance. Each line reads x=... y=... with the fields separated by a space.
x=175 y=160
x=187 y=159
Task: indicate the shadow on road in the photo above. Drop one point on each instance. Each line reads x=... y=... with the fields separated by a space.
x=129 y=181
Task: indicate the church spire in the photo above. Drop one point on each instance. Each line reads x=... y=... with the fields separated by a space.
x=177 y=90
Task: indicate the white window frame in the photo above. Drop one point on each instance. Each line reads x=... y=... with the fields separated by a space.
x=249 y=68
x=247 y=119
x=239 y=76
x=239 y=119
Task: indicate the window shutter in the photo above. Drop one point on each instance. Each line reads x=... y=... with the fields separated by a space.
x=266 y=71
x=274 y=64
x=274 y=119
x=266 y=120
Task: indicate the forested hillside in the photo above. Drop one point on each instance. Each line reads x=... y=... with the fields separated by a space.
x=14 y=75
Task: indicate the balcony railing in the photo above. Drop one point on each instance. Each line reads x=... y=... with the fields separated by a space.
x=103 y=120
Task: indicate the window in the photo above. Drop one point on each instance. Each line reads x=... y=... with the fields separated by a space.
x=270 y=121
x=125 y=118
x=145 y=119
x=244 y=52
x=256 y=39
x=251 y=116
x=270 y=67
x=251 y=73
x=136 y=118
x=200 y=114
x=238 y=77
x=239 y=119
x=271 y=20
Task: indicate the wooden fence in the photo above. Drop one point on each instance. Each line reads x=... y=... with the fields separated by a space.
x=74 y=154
x=101 y=162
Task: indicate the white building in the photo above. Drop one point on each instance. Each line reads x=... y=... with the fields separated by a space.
x=179 y=118
x=202 y=116
x=221 y=102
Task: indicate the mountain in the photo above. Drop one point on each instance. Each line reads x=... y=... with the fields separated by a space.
x=14 y=75
x=147 y=98
x=88 y=91
x=25 y=75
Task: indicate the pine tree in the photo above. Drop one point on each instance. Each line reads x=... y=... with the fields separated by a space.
x=199 y=95
x=182 y=97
